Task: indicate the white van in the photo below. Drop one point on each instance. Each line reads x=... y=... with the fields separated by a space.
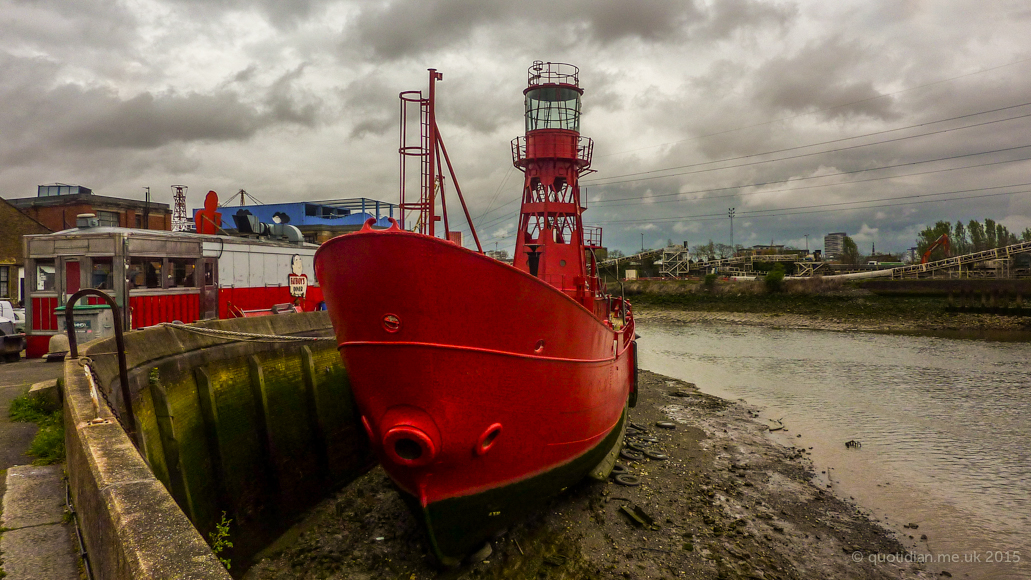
x=11 y=341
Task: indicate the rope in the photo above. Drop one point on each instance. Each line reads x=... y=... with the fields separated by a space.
x=244 y=336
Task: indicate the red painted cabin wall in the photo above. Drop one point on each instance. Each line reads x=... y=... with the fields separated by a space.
x=260 y=298
x=151 y=310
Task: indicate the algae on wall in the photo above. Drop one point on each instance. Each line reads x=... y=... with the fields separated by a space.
x=260 y=436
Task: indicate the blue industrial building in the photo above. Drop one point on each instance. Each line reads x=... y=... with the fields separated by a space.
x=317 y=220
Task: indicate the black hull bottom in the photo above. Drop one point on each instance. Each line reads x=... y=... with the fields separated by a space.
x=458 y=526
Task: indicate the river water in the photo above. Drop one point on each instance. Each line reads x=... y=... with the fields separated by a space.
x=945 y=426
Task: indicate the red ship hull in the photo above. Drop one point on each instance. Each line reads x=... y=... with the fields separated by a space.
x=484 y=390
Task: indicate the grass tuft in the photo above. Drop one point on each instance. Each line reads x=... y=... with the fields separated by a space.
x=48 y=445
x=27 y=409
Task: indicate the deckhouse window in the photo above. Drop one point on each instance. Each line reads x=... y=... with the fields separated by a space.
x=101 y=276
x=183 y=273
x=144 y=273
x=45 y=276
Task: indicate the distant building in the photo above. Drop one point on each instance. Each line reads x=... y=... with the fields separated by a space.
x=833 y=245
x=767 y=249
x=56 y=205
x=499 y=255
x=318 y=221
x=12 y=252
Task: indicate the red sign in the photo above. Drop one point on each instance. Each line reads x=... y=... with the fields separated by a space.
x=298 y=285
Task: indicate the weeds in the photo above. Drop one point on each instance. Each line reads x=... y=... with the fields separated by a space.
x=751 y=297
x=774 y=280
x=48 y=445
x=710 y=282
x=28 y=409
x=220 y=540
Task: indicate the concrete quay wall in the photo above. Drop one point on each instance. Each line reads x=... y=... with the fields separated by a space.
x=253 y=432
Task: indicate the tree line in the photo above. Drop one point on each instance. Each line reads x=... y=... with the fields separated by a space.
x=713 y=251
x=975 y=236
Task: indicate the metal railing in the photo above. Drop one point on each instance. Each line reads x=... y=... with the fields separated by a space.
x=956 y=261
x=584 y=150
x=547 y=73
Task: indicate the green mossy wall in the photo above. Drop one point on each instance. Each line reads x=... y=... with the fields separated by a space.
x=259 y=431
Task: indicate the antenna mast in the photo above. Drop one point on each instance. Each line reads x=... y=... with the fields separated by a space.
x=179 y=209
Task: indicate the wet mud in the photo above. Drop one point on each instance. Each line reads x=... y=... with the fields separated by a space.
x=945 y=325
x=726 y=502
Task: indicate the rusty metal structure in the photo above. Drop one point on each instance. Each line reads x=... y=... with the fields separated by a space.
x=179 y=219
x=676 y=261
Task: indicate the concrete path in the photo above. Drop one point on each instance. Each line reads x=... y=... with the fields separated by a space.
x=36 y=544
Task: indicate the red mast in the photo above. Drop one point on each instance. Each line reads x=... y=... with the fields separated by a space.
x=551 y=241
x=432 y=156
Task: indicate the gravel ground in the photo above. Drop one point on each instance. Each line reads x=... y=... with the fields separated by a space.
x=727 y=503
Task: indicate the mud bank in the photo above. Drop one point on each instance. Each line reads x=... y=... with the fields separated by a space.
x=960 y=325
x=727 y=503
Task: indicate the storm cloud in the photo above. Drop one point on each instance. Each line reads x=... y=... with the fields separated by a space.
x=694 y=106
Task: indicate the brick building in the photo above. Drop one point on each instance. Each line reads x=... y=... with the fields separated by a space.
x=56 y=206
x=15 y=224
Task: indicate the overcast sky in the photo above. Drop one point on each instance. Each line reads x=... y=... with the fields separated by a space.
x=851 y=100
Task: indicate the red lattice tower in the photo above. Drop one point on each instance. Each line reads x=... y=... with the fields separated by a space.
x=551 y=240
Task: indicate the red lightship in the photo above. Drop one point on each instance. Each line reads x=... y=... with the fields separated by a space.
x=486 y=388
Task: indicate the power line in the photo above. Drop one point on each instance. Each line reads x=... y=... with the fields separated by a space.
x=756 y=213
x=881 y=96
x=820 y=143
x=503 y=218
x=497 y=192
x=489 y=211
x=820 y=208
x=787 y=213
x=838 y=150
x=610 y=202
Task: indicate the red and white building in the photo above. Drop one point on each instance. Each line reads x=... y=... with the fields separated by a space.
x=161 y=276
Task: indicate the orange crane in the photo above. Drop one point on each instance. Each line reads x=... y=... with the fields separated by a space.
x=943 y=242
